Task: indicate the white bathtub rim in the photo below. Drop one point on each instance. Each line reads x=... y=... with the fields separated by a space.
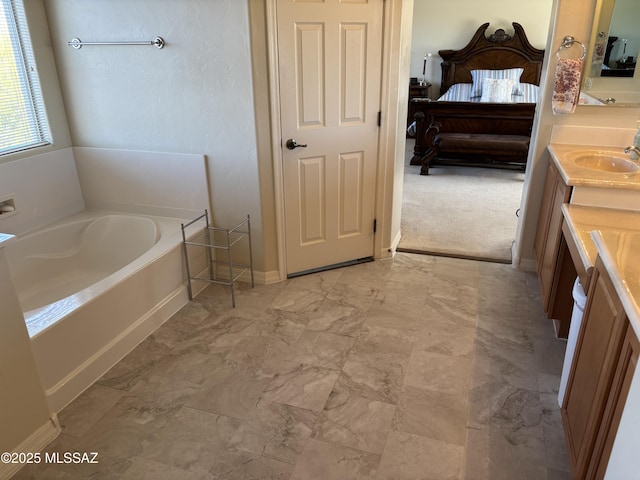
x=168 y=240
x=83 y=216
x=71 y=251
x=61 y=261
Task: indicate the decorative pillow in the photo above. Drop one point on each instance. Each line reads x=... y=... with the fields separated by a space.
x=478 y=75
x=497 y=90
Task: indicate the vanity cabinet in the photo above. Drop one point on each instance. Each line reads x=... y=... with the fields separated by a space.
x=625 y=370
x=555 y=269
x=603 y=366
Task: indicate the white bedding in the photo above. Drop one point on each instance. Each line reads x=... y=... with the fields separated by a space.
x=461 y=92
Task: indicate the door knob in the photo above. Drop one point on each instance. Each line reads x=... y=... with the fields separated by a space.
x=292 y=144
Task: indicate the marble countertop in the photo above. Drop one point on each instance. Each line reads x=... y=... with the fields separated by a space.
x=614 y=235
x=620 y=252
x=575 y=175
x=583 y=220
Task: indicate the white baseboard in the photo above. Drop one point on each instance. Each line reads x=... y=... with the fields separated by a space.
x=36 y=442
x=259 y=278
x=267 y=278
x=388 y=252
x=527 y=265
x=522 y=264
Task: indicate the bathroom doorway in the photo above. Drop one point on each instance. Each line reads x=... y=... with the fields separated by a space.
x=468 y=212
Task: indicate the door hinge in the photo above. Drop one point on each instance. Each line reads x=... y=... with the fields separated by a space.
x=375 y=225
x=379 y=118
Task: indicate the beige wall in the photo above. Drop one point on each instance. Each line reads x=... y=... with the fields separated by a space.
x=450 y=25
x=392 y=141
x=405 y=66
x=260 y=74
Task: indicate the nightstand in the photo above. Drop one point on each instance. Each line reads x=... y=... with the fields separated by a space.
x=420 y=92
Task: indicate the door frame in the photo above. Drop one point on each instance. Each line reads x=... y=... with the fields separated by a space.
x=396 y=25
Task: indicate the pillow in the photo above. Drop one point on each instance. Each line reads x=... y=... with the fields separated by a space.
x=478 y=75
x=497 y=90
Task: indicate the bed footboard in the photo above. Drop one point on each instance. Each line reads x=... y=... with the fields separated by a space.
x=470 y=133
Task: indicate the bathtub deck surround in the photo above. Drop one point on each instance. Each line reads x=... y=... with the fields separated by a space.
x=48 y=187
x=163 y=184
x=27 y=422
x=42 y=189
x=349 y=373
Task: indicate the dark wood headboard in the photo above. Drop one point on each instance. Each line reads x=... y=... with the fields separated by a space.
x=498 y=51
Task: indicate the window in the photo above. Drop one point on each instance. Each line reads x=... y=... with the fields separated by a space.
x=23 y=122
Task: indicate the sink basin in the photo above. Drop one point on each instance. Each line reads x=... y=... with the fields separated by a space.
x=604 y=161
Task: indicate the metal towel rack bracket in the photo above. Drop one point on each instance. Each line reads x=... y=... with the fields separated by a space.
x=76 y=43
x=568 y=42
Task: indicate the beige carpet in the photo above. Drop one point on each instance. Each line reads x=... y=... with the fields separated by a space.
x=467 y=212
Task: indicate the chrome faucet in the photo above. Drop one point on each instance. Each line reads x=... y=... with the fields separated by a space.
x=632 y=149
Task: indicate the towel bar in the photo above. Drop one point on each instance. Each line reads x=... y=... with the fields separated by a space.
x=76 y=43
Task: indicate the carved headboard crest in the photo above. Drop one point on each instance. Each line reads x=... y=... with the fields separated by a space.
x=499 y=36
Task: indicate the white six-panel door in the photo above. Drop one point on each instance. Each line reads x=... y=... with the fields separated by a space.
x=329 y=55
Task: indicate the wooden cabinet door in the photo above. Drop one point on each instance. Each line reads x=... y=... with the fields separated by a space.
x=549 y=231
x=544 y=215
x=624 y=372
x=595 y=359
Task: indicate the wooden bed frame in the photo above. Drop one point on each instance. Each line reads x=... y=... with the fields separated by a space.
x=473 y=133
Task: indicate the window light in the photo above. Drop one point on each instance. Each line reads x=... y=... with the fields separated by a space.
x=23 y=121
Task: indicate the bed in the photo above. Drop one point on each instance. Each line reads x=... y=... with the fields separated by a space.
x=488 y=98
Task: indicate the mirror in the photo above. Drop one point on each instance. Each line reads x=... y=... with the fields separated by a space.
x=610 y=75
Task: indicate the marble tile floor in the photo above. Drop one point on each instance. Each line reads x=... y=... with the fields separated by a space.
x=417 y=367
